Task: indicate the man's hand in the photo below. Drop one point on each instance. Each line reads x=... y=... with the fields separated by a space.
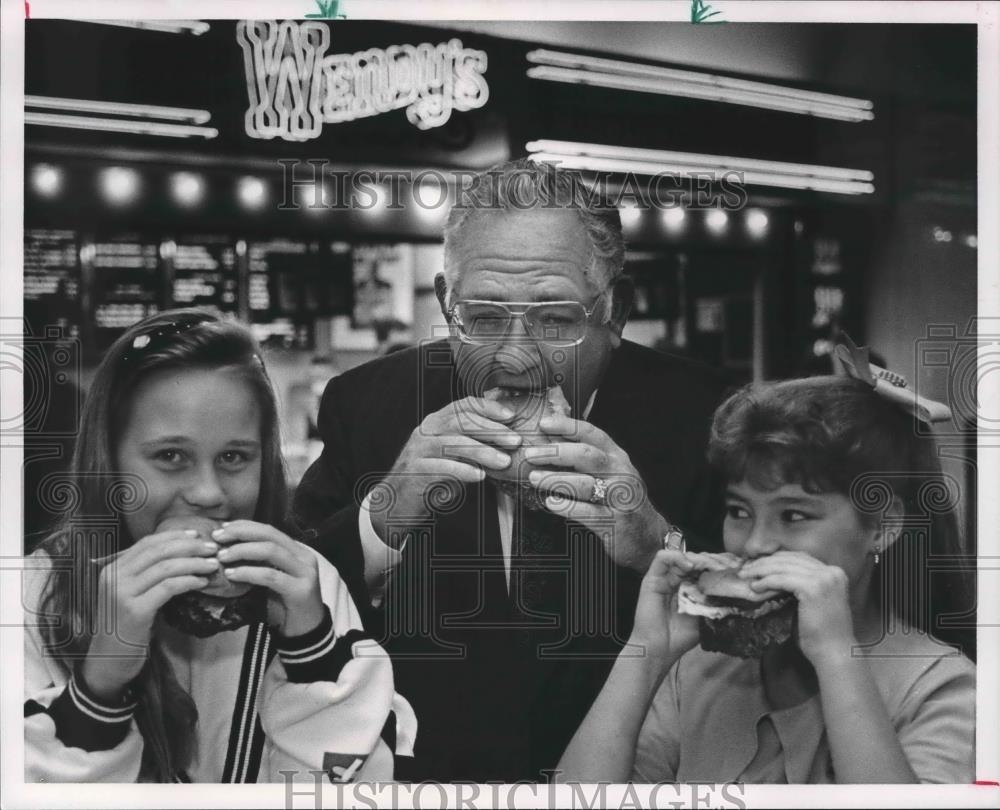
x=627 y=523
x=451 y=447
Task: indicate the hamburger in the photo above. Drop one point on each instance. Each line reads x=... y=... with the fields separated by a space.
x=529 y=408
x=221 y=605
x=734 y=618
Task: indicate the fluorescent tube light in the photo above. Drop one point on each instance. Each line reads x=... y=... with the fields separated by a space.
x=624 y=160
x=195 y=27
x=115 y=108
x=118 y=125
x=693 y=159
x=617 y=74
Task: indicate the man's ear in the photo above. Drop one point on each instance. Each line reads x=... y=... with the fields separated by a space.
x=441 y=291
x=622 y=295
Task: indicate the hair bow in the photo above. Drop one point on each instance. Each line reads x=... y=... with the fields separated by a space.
x=887 y=384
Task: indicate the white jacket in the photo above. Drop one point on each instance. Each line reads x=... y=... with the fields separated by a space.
x=323 y=704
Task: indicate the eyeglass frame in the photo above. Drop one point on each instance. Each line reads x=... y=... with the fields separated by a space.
x=466 y=338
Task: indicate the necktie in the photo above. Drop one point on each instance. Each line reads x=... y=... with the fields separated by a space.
x=538 y=564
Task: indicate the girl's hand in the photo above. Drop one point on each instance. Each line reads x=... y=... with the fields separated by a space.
x=288 y=570
x=665 y=633
x=825 y=627
x=131 y=588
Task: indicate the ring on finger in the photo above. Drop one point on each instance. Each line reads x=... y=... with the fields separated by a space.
x=673 y=540
x=599 y=494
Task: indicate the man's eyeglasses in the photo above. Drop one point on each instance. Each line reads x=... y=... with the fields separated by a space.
x=555 y=323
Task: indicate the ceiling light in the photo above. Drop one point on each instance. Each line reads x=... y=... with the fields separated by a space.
x=252 y=192
x=673 y=219
x=750 y=171
x=46 y=180
x=118 y=125
x=716 y=220
x=187 y=188
x=620 y=75
x=756 y=221
x=120 y=185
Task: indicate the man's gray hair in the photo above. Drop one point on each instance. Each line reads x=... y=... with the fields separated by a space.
x=523 y=185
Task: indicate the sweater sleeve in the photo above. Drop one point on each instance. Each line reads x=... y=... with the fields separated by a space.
x=936 y=723
x=329 y=703
x=69 y=735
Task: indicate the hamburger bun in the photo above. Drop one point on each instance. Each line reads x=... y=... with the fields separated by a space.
x=529 y=408
x=218 y=584
x=734 y=618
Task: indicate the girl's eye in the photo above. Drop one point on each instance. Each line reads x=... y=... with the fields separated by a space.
x=794 y=516
x=233 y=459
x=169 y=456
x=736 y=512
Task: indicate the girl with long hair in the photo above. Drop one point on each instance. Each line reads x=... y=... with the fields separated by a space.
x=176 y=632
x=837 y=511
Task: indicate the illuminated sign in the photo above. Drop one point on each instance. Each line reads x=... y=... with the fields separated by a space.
x=294 y=87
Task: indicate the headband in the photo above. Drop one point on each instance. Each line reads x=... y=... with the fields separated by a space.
x=887 y=384
x=159 y=338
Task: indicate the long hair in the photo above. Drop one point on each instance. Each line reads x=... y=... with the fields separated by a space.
x=174 y=340
x=834 y=434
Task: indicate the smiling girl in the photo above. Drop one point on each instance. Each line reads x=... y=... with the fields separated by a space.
x=184 y=636
x=832 y=498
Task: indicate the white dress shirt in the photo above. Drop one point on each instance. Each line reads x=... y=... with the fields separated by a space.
x=380 y=557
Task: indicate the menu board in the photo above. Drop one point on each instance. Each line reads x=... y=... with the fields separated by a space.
x=52 y=280
x=293 y=282
x=273 y=267
x=204 y=273
x=126 y=283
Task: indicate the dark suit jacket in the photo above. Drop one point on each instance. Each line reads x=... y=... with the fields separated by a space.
x=498 y=690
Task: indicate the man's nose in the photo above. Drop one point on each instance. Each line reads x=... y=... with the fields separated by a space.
x=204 y=489
x=517 y=352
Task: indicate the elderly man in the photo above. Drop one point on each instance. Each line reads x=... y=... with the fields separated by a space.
x=503 y=607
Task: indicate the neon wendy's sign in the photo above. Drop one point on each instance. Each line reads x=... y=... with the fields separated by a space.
x=295 y=87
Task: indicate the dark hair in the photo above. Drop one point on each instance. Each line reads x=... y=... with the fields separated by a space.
x=170 y=341
x=834 y=434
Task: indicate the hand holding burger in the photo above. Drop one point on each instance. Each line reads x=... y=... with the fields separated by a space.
x=660 y=627
x=529 y=408
x=261 y=575
x=825 y=628
x=270 y=559
x=737 y=617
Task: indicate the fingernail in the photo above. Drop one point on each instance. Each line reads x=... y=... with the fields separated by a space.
x=229 y=571
x=218 y=534
x=223 y=554
x=506 y=413
x=535 y=476
x=502 y=459
x=211 y=547
x=226 y=523
x=191 y=532
x=547 y=423
x=537 y=452
x=512 y=440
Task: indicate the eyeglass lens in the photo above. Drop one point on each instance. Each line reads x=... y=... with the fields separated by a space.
x=553 y=323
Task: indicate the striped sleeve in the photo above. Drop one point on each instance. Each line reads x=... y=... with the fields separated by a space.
x=69 y=735
x=327 y=699
x=319 y=655
x=82 y=721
